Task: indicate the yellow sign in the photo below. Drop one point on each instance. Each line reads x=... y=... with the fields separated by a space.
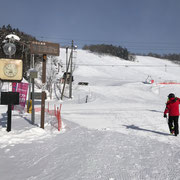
x=11 y=69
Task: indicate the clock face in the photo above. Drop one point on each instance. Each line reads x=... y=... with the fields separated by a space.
x=10 y=70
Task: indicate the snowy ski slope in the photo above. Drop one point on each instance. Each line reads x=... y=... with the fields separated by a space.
x=120 y=133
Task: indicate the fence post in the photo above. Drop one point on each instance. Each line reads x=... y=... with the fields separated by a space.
x=60 y=122
x=48 y=107
x=86 y=98
x=54 y=110
x=57 y=112
x=57 y=116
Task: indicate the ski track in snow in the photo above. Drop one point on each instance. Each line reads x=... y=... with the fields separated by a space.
x=93 y=154
x=120 y=134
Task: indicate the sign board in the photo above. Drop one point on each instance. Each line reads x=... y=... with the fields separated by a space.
x=38 y=95
x=83 y=83
x=11 y=69
x=9 y=98
x=44 y=48
x=33 y=74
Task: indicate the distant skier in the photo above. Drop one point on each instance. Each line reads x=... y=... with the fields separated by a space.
x=172 y=107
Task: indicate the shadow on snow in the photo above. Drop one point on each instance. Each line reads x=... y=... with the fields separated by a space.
x=3 y=120
x=152 y=110
x=143 y=129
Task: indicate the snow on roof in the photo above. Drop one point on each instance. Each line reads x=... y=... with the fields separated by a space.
x=13 y=36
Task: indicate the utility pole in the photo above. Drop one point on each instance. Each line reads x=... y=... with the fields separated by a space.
x=66 y=57
x=70 y=63
x=62 y=93
x=70 y=82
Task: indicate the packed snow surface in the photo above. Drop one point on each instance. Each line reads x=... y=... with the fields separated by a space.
x=112 y=129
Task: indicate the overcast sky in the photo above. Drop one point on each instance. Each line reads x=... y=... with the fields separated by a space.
x=140 y=25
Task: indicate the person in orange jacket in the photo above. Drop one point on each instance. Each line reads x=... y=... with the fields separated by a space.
x=172 y=107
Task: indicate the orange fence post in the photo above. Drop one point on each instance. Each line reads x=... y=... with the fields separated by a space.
x=57 y=114
x=60 y=122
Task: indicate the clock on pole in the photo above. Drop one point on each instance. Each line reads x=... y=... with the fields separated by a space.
x=11 y=70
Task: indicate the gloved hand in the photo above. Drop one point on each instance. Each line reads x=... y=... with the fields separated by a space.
x=165 y=116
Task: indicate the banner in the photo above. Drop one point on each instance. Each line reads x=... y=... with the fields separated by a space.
x=14 y=86
x=22 y=88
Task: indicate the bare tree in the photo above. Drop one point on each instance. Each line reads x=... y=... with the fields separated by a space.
x=52 y=73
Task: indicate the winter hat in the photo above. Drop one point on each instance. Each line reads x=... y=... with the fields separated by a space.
x=171 y=95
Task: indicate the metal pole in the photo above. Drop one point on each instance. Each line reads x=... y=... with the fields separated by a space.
x=9 y=58
x=43 y=90
x=29 y=95
x=70 y=83
x=32 y=115
x=9 y=118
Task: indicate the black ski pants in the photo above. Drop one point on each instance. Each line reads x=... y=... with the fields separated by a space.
x=173 y=124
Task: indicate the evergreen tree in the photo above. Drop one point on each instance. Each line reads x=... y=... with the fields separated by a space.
x=22 y=47
x=109 y=49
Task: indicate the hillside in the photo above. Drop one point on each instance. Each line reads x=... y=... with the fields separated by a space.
x=120 y=133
